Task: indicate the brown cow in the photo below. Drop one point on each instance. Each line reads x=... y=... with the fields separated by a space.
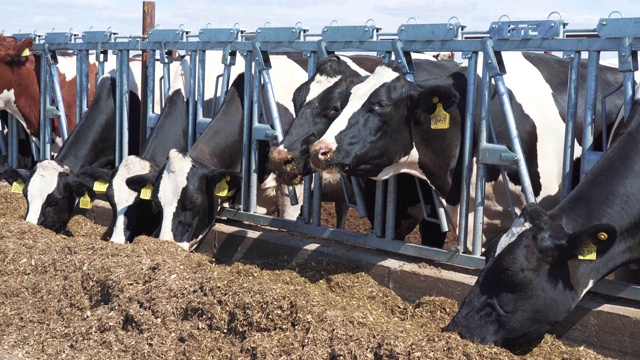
x=19 y=92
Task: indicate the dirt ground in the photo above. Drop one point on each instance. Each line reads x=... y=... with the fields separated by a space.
x=82 y=298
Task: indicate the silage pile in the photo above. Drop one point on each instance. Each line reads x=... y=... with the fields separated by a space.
x=83 y=298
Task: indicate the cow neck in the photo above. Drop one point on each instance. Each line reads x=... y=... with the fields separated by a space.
x=93 y=141
x=220 y=145
x=610 y=186
x=170 y=132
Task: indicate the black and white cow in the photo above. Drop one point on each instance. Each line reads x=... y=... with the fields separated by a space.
x=318 y=102
x=386 y=129
x=52 y=188
x=185 y=187
x=539 y=270
x=132 y=212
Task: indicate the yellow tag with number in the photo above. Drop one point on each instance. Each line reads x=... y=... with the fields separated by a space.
x=145 y=193
x=439 y=118
x=85 y=201
x=222 y=188
x=588 y=252
x=100 y=187
x=17 y=186
x=26 y=52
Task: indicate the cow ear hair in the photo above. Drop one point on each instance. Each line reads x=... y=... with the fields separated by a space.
x=137 y=182
x=78 y=186
x=11 y=175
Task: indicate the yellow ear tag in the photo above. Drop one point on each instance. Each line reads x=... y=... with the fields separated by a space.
x=145 y=193
x=17 y=186
x=100 y=187
x=222 y=189
x=26 y=52
x=85 y=201
x=588 y=252
x=439 y=118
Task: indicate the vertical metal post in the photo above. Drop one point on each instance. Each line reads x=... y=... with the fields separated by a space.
x=45 y=149
x=246 y=142
x=82 y=74
x=255 y=118
x=570 y=124
x=390 y=222
x=202 y=60
x=467 y=150
x=317 y=198
x=125 y=104
x=146 y=86
x=589 y=112
x=378 y=217
x=478 y=220
x=166 y=82
x=193 y=65
x=149 y=99
x=118 y=100
x=13 y=141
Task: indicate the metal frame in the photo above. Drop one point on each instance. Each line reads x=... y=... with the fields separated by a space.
x=618 y=35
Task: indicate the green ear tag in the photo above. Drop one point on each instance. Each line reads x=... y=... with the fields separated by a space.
x=222 y=189
x=145 y=193
x=100 y=187
x=17 y=186
x=439 y=118
x=85 y=201
x=588 y=252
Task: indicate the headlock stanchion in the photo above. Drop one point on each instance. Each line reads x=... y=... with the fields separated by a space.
x=262 y=120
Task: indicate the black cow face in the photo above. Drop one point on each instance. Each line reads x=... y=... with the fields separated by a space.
x=190 y=193
x=290 y=160
x=532 y=280
x=375 y=129
x=52 y=192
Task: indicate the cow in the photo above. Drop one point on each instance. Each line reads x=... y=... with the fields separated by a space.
x=387 y=128
x=52 y=189
x=318 y=102
x=184 y=189
x=536 y=273
x=132 y=212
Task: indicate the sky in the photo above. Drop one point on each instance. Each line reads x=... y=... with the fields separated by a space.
x=125 y=16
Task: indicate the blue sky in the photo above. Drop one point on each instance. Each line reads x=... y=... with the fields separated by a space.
x=124 y=16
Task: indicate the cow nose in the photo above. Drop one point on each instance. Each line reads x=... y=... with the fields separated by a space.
x=321 y=153
x=279 y=157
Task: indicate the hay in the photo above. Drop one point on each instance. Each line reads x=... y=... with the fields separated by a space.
x=84 y=298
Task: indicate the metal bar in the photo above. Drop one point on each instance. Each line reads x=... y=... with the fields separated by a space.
x=255 y=119
x=118 y=100
x=589 y=112
x=246 y=142
x=44 y=102
x=306 y=199
x=202 y=58
x=13 y=141
x=151 y=94
x=478 y=220
x=317 y=198
x=503 y=95
x=57 y=92
x=357 y=193
x=125 y=104
x=378 y=218
x=629 y=92
x=193 y=65
x=570 y=124
x=467 y=150
x=79 y=85
x=390 y=221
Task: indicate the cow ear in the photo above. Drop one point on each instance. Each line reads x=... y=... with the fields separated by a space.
x=592 y=242
x=137 y=182
x=91 y=174
x=11 y=175
x=79 y=187
x=433 y=97
x=220 y=178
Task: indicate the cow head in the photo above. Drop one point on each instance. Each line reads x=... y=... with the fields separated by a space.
x=189 y=193
x=535 y=275
x=132 y=210
x=376 y=128
x=52 y=192
x=317 y=102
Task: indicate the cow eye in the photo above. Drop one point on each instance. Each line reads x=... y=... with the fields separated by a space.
x=381 y=105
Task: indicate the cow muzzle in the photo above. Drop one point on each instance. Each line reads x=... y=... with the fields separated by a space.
x=283 y=164
x=322 y=157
